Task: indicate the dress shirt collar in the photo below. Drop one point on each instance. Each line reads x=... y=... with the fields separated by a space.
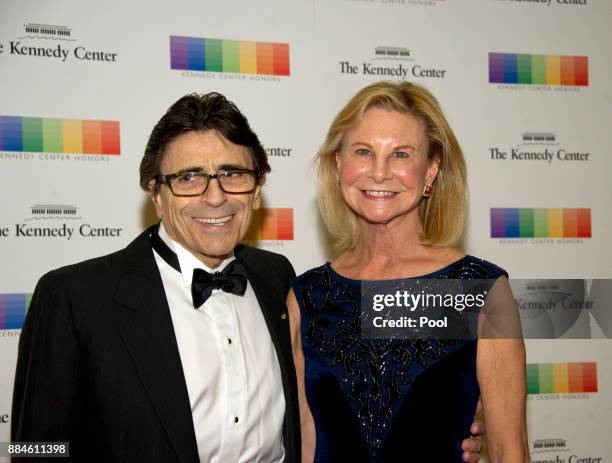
x=187 y=261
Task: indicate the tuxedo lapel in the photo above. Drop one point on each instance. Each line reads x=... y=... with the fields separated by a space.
x=271 y=299
x=146 y=328
x=272 y=305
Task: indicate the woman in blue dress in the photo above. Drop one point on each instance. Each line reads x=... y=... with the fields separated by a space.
x=392 y=193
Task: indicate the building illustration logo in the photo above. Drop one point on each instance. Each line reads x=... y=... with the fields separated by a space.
x=69 y=136
x=47 y=31
x=392 y=53
x=537 y=138
x=52 y=211
x=549 y=445
x=526 y=69
x=540 y=223
x=235 y=56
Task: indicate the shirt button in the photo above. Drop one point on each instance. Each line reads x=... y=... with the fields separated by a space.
x=235 y=419
x=229 y=340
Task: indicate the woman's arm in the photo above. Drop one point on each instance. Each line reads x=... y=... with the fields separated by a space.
x=306 y=419
x=500 y=365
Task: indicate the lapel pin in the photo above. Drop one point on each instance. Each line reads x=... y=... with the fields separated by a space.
x=283 y=316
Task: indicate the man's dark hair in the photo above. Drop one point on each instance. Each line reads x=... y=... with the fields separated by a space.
x=194 y=112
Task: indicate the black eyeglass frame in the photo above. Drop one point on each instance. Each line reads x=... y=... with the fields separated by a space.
x=167 y=180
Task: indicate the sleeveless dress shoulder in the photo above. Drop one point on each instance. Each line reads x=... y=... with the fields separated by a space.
x=384 y=400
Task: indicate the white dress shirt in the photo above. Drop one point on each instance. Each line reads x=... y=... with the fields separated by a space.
x=230 y=365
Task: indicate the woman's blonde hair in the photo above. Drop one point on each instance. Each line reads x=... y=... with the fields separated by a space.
x=443 y=215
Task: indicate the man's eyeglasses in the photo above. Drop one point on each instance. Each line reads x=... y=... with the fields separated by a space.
x=233 y=181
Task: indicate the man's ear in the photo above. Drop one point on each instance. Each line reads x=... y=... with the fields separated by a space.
x=257 y=197
x=153 y=192
x=257 y=194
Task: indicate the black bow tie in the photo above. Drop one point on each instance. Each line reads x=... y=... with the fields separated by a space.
x=232 y=279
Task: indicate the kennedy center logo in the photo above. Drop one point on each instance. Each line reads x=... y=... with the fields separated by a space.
x=540 y=147
x=49 y=42
x=53 y=221
x=400 y=3
x=538 y=71
x=556 y=450
x=60 y=136
x=561 y=378
x=13 y=309
x=271 y=224
x=540 y=223
x=547 y=3
x=236 y=57
x=392 y=63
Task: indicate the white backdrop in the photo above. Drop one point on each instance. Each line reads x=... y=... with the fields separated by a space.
x=333 y=44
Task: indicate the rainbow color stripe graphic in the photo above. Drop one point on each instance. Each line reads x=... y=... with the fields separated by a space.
x=271 y=224
x=13 y=309
x=561 y=378
x=70 y=136
x=516 y=68
x=217 y=55
x=540 y=223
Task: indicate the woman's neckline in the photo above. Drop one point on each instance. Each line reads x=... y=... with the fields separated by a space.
x=426 y=275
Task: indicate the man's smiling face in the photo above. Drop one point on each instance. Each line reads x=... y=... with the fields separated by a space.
x=211 y=225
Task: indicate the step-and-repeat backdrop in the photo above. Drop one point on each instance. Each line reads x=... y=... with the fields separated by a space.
x=524 y=83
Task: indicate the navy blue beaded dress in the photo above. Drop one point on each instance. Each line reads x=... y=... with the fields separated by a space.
x=384 y=400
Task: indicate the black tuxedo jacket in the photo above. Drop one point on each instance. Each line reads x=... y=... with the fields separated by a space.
x=99 y=365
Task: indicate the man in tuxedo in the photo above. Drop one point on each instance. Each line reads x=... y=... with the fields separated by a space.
x=175 y=349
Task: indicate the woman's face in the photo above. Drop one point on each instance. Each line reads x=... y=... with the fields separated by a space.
x=383 y=166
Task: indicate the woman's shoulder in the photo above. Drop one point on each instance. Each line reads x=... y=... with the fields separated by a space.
x=471 y=267
x=312 y=275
